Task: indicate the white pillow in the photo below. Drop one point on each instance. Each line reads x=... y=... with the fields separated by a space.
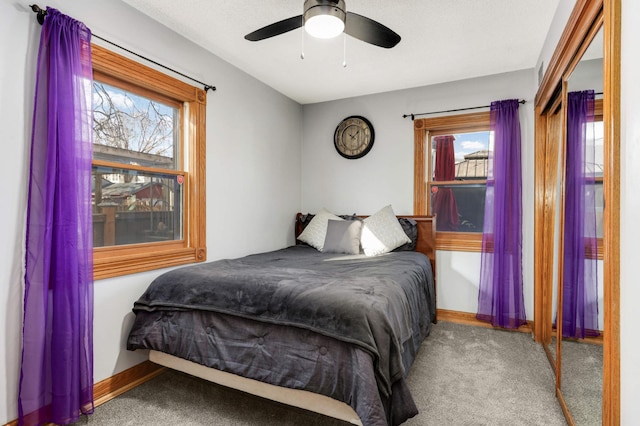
x=316 y=231
x=382 y=233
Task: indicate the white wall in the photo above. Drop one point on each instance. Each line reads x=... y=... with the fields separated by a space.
x=385 y=175
x=253 y=169
x=629 y=207
x=560 y=18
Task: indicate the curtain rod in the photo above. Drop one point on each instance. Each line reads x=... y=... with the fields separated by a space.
x=413 y=116
x=42 y=13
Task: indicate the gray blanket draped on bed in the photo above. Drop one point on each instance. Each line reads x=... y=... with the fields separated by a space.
x=375 y=303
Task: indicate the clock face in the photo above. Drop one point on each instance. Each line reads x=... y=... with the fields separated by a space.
x=353 y=137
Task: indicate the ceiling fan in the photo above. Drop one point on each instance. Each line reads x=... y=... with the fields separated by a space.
x=327 y=19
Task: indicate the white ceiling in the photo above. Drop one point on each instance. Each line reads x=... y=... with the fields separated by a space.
x=442 y=40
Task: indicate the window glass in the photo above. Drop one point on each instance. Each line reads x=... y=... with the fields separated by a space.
x=471 y=153
x=459 y=166
x=135 y=204
x=598 y=167
x=132 y=207
x=133 y=129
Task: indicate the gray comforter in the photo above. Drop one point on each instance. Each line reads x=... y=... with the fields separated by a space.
x=379 y=304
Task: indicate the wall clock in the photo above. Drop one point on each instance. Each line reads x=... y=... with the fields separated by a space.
x=353 y=137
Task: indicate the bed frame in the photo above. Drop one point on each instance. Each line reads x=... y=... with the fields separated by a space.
x=298 y=398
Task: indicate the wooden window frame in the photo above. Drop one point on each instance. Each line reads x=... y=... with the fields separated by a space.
x=115 y=261
x=423 y=130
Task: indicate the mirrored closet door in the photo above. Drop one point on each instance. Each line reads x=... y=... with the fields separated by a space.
x=552 y=174
x=578 y=95
x=579 y=314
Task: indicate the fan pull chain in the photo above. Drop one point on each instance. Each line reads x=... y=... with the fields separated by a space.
x=302 y=45
x=344 y=58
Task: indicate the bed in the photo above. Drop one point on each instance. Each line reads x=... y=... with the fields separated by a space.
x=329 y=332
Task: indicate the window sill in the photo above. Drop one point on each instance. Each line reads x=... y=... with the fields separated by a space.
x=132 y=260
x=459 y=241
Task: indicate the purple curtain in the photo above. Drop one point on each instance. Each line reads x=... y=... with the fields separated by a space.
x=501 y=299
x=444 y=202
x=580 y=284
x=56 y=377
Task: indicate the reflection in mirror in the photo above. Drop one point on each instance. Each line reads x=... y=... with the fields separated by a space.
x=553 y=183
x=559 y=167
x=581 y=354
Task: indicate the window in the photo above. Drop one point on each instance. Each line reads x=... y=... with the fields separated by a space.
x=451 y=163
x=148 y=168
x=598 y=167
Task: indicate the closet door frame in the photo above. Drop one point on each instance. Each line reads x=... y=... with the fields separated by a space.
x=586 y=14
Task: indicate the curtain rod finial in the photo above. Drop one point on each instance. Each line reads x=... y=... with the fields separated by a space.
x=41 y=13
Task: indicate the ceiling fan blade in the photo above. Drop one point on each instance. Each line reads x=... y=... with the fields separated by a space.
x=370 y=31
x=275 y=29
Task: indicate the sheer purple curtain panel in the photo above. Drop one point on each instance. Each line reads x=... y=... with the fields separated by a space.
x=444 y=202
x=501 y=298
x=56 y=377
x=580 y=284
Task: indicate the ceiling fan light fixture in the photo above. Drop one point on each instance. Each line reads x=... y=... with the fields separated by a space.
x=324 y=18
x=324 y=26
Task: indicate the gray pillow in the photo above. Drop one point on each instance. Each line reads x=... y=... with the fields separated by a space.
x=410 y=227
x=343 y=236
